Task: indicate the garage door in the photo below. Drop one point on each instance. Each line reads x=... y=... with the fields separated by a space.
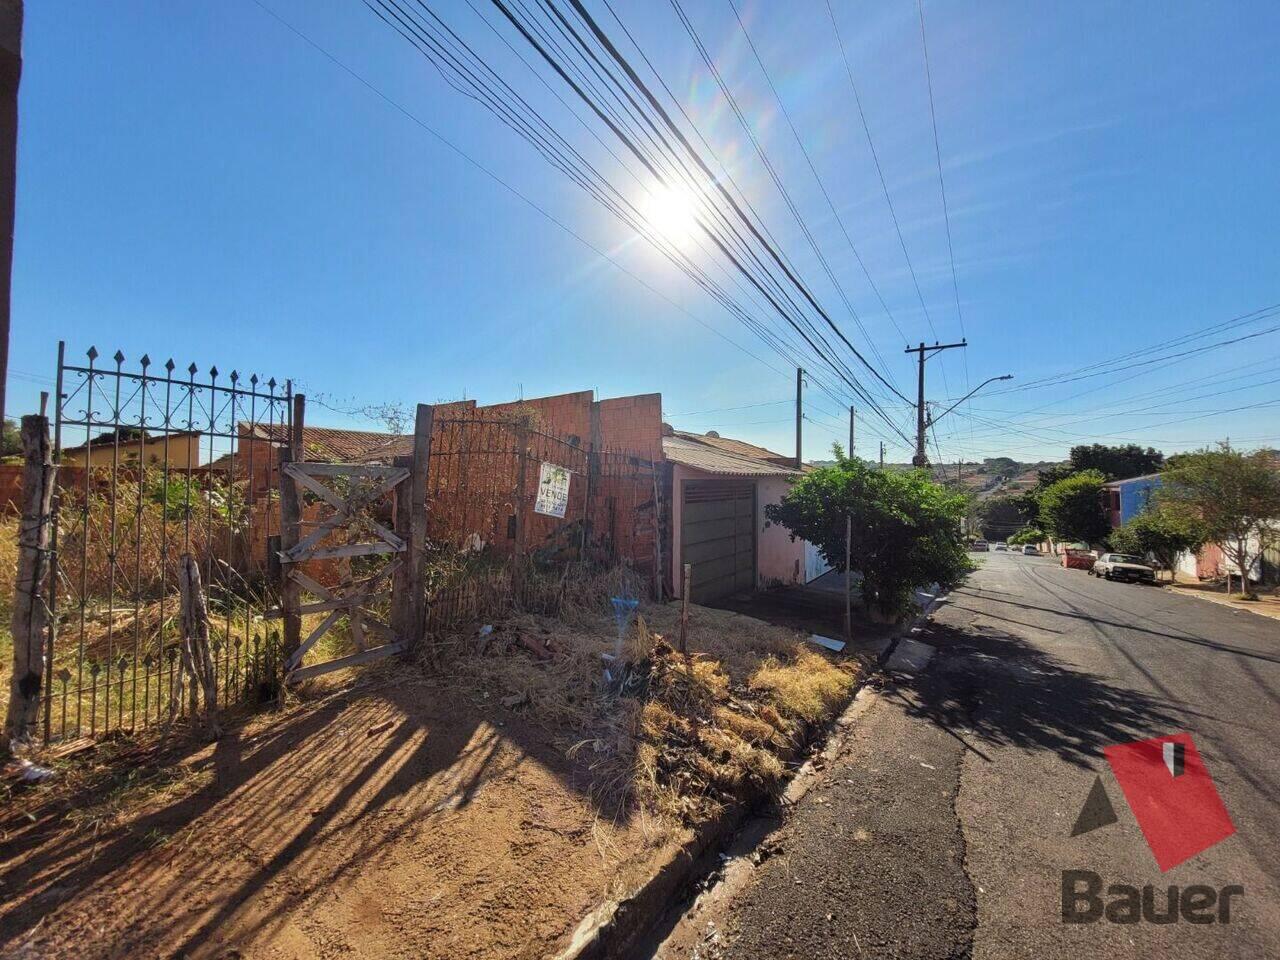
x=718 y=536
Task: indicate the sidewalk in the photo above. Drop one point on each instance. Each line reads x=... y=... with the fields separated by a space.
x=1267 y=604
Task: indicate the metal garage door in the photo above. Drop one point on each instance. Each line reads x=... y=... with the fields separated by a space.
x=718 y=536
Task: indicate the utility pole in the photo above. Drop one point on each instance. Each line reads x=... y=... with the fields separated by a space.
x=851 y=416
x=881 y=454
x=958 y=478
x=799 y=412
x=10 y=73
x=921 y=459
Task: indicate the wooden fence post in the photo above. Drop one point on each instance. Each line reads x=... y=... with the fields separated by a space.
x=30 y=603
x=424 y=423
x=408 y=597
x=290 y=534
x=197 y=660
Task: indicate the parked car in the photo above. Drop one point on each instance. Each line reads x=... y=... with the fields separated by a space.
x=978 y=546
x=1074 y=559
x=1000 y=546
x=1030 y=550
x=1122 y=566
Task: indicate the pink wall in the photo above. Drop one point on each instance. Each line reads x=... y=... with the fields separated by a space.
x=777 y=557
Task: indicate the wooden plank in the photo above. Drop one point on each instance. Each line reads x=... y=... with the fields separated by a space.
x=369 y=471
x=295 y=658
x=402 y=586
x=354 y=660
x=346 y=550
x=343 y=513
x=319 y=589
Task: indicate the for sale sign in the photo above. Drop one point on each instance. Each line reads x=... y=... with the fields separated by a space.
x=553 y=491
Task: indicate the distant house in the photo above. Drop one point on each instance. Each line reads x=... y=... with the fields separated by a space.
x=1125 y=499
x=124 y=447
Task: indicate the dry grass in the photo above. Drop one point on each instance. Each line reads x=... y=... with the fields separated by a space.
x=8 y=581
x=678 y=736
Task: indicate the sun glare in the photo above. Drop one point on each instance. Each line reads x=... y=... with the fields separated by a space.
x=672 y=212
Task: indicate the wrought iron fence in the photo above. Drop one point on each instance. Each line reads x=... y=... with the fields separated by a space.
x=155 y=463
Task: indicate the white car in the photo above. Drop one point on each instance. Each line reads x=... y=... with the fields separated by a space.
x=1002 y=546
x=1030 y=550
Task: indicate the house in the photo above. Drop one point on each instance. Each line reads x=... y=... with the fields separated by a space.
x=719 y=488
x=1125 y=499
x=124 y=447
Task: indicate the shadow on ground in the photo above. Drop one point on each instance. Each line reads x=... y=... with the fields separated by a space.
x=276 y=811
x=991 y=688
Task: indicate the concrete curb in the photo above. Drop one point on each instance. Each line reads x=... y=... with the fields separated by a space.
x=617 y=927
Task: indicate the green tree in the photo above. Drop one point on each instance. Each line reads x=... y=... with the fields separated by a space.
x=1163 y=533
x=906 y=528
x=1028 y=535
x=1234 y=496
x=10 y=439
x=1071 y=508
x=1116 y=463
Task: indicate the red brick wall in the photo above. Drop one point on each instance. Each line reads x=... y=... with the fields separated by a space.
x=633 y=425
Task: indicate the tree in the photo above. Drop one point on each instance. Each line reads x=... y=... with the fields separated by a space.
x=1000 y=516
x=1028 y=535
x=1116 y=463
x=10 y=439
x=1071 y=508
x=906 y=528
x=1163 y=533
x=1234 y=496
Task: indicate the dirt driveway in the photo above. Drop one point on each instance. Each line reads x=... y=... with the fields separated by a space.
x=305 y=835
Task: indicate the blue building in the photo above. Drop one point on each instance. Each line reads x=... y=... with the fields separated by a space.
x=1125 y=499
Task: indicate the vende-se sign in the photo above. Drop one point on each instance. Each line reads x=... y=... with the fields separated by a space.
x=553 y=490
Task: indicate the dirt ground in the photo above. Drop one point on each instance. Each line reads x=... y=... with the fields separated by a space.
x=458 y=830
x=412 y=813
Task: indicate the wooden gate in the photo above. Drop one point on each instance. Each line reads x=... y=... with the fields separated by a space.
x=350 y=548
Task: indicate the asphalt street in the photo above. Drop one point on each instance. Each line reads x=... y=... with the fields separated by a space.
x=943 y=827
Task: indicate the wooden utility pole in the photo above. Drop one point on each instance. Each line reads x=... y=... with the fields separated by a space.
x=921 y=459
x=10 y=73
x=851 y=424
x=881 y=454
x=30 y=621
x=799 y=412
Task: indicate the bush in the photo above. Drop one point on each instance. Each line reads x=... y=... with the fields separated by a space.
x=906 y=528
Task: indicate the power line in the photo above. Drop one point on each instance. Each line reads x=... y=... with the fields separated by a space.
x=543 y=212
x=884 y=186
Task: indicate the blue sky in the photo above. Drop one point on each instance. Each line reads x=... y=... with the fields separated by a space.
x=196 y=181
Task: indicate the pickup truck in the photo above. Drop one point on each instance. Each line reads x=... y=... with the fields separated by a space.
x=1122 y=566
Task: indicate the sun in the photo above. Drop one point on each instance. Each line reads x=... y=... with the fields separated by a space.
x=672 y=212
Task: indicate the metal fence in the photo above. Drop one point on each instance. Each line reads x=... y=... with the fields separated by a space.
x=497 y=538
x=157 y=463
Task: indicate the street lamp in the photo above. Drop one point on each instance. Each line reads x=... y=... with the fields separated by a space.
x=933 y=420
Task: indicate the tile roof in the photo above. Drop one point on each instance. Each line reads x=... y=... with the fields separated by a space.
x=739 y=447
x=335 y=446
x=689 y=450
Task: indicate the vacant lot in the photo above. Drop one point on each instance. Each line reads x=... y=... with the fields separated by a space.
x=478 y=808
